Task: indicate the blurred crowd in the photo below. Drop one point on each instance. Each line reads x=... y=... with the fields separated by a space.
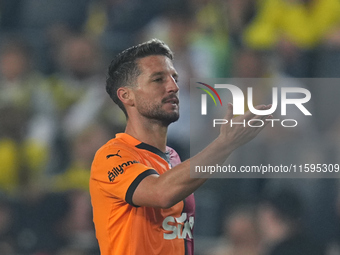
x=55 y=114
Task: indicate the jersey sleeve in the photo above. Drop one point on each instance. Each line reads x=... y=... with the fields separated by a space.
x=118 y=172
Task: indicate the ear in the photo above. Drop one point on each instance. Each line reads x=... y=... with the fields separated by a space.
x=126 y=96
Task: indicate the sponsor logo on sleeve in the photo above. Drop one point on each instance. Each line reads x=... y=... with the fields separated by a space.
x=119 y=169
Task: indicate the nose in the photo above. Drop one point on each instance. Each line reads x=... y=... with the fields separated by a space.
x=172 y=85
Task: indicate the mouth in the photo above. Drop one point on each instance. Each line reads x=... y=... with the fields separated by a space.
x=172 y=100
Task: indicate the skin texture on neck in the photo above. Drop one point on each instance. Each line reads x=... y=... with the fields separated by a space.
x=146 y=131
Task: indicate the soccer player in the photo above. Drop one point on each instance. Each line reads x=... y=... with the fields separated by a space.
x=141 y=194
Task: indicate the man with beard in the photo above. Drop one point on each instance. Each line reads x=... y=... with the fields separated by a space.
x=141 y=194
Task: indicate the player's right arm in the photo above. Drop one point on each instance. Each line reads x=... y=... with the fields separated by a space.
x=176 y=184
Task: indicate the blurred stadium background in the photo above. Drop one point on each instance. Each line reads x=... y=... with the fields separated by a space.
x=54 y=113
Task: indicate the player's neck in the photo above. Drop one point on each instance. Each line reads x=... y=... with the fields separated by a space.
x=150 y=132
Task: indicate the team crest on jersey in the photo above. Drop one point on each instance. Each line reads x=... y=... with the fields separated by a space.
x=119 y=169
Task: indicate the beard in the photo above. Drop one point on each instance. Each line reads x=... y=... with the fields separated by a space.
x=155 y=112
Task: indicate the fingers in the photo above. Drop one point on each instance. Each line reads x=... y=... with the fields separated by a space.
x=229 y=114
x=259 y=129
x=249 y=115
x=238 y=132
x=263 y=117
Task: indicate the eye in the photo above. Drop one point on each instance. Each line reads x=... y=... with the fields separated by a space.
x=160 y=79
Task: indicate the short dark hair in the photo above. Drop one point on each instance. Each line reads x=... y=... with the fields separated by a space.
x=123 y=70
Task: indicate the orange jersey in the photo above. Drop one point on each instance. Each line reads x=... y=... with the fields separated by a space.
x=123 y=228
